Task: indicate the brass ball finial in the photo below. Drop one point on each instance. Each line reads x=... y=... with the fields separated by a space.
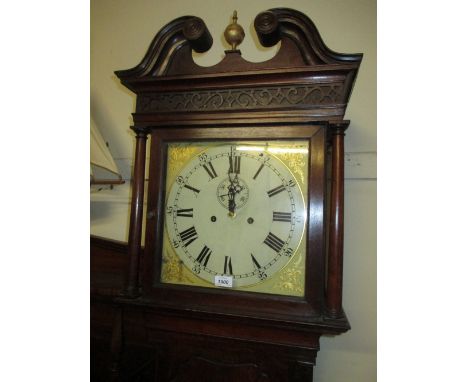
x=234 y=33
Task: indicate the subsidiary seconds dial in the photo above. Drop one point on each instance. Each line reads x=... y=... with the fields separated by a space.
x=235 y=210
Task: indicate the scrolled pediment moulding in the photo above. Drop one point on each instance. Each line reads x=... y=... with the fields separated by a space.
x=310 y=78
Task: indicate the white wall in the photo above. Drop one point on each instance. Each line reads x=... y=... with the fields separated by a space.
x=121 y=31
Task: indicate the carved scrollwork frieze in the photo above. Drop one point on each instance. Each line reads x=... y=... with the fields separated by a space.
x=241 y=99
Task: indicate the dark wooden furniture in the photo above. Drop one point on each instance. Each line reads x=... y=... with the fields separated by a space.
x=177 y=333
x=108 y=265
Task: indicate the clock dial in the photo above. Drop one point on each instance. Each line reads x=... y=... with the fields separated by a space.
x=235 y=210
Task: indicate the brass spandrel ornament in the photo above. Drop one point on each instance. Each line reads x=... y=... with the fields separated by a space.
x=291 y=278
x=296 y=163
x=174 y=270
x=177 y=156
x=234 y=33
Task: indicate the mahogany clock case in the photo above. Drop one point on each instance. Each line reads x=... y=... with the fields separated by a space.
x=301 y=93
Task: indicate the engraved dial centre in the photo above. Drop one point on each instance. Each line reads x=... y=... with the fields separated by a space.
x=232 y=193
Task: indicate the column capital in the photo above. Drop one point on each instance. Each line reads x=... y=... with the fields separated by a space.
x=140 y=131
x=338 y=128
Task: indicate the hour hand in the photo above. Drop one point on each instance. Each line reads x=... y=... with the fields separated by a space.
x=232 y=207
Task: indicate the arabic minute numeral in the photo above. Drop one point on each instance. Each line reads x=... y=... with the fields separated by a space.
x=258 y=268
x=203 y=157
x=196 y=268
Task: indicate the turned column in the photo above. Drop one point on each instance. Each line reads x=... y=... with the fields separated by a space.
x=334 y=294
x=136 y=214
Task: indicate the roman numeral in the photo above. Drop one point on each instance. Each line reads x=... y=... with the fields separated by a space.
x=188 y=236
x=258 y=171
x=274 y=242
x=211 y=171
x=276 y=190
x=234 y=165
x=227 y=265
x=186 y=212
x=256 y=264
x=261 y=274
x=192 y=188
x=282 y=217
x=204 y=256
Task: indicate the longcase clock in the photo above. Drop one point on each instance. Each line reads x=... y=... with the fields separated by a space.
x=242 y=266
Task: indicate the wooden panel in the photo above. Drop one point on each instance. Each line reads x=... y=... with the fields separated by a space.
x=186 y=357
x=107 y=268
x=107 y=265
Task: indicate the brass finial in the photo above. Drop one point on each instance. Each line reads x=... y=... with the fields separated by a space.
x=234 y=33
